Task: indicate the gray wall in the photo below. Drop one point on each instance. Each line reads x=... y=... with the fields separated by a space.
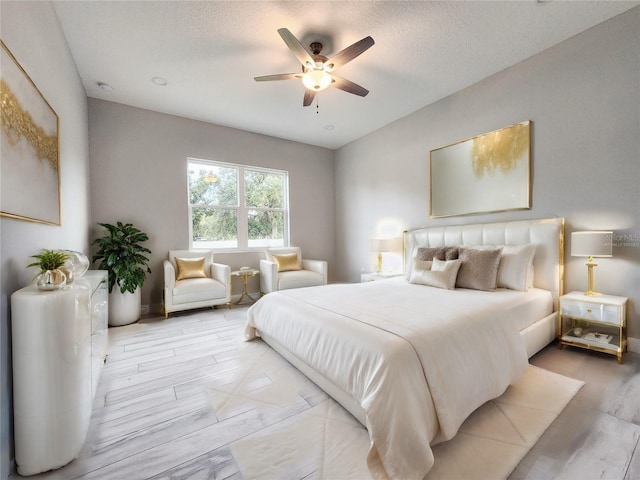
x=138 y=175
x=583 y=97
x=32 y=32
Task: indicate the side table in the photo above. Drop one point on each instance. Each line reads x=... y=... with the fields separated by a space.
x=593 y=322
x=244 y=275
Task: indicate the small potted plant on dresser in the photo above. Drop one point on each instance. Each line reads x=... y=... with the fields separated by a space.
x=121 y=254
x=51 y=263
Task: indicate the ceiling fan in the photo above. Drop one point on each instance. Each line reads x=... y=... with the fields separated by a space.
x=317 y=70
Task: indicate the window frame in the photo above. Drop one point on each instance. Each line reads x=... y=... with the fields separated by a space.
x=242 y=210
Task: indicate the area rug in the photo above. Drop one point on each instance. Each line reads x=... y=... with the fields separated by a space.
x=306 y=434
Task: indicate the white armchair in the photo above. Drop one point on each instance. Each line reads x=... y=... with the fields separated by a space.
x=304 y=273
x=199 y=285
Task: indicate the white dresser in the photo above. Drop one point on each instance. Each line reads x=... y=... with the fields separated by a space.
x=59 y=344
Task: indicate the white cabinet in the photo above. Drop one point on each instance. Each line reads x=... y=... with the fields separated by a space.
x=57 y=339
x=99 y=324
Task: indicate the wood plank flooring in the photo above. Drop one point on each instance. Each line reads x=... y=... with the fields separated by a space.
x=152 y=416
x=597 y=436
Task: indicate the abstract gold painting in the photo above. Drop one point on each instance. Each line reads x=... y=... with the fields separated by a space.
x=486 y=173
x=29 y=152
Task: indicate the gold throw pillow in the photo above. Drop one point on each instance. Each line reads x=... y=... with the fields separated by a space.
x=287 y=262
x=190 y=268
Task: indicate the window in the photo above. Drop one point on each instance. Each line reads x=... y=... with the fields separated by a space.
x=237 y=206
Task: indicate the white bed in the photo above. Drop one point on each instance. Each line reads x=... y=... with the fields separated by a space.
x=411 y=362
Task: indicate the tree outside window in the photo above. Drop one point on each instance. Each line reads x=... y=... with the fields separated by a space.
x=237 y=206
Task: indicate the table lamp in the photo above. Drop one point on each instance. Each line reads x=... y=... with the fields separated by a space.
x=382 y=245
x=591 y=244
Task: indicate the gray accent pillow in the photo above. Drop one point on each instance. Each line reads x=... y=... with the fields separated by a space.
x=427 y=254
x=478 y=268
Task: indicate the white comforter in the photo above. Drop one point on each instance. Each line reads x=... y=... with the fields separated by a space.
x=418 y=360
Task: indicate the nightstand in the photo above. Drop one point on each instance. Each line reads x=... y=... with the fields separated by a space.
x=593 y=322
x=373 y=276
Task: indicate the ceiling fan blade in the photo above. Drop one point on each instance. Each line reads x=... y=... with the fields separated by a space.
x=279 y=76
x=308 y=97
x=296 y=47
x=348 y=86
x=348 y=54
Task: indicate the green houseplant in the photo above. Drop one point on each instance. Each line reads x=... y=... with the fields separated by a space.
x=121 y=254
x=50 y=263
x=49 y=260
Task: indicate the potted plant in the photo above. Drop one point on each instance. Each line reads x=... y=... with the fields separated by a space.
x=51 y=275
x=122 y=256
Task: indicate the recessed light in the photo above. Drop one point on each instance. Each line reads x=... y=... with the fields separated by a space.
x=329 y=127
x=105 y=86
x=159 y=81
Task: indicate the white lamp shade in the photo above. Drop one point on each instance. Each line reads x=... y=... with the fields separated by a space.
x=592 y=244
x=384 y=244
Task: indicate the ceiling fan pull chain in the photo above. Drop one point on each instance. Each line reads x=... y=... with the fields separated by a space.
x=317 y=106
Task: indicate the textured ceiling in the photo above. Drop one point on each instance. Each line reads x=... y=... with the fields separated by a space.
x=210 y=51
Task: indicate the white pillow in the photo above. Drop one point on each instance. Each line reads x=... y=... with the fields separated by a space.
x=442 y=274
x=422 y=264
x=417 y=263
x=516 y=267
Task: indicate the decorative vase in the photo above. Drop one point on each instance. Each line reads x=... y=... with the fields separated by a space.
x=51 y=280
x=124 y=308
x=68 y=274
x=75 y=266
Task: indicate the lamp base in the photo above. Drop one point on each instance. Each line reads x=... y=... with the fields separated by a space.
x=590 y=292
x=379 y=265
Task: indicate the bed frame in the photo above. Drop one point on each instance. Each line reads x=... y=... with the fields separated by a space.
x=547 y=234
x=548 y=263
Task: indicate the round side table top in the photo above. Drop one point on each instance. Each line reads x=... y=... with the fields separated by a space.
x=245 y=273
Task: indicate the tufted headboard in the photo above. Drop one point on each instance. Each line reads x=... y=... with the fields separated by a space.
x=546 y=234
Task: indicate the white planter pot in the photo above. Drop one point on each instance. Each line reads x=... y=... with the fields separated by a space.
x=124 y=308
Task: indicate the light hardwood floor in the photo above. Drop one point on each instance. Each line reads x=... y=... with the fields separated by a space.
x=152 y=417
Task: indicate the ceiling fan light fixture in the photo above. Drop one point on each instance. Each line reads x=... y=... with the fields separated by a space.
x=317 y=70
x=316 y=80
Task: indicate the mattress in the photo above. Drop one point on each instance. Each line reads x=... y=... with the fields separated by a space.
x=524 y=308
x=407 y=354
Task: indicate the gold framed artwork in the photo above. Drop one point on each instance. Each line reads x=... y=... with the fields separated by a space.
x=30 y=165
x=483 y=174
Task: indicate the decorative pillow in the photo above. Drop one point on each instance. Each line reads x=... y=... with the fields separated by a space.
x=190 y=268
x=287 y=262
x=516 y=266
x=530 y=277
x=441 y=253
x=479 y=268
x=442 y=274
x=422 y=264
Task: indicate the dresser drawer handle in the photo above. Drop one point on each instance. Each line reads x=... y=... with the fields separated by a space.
x=588 y=310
